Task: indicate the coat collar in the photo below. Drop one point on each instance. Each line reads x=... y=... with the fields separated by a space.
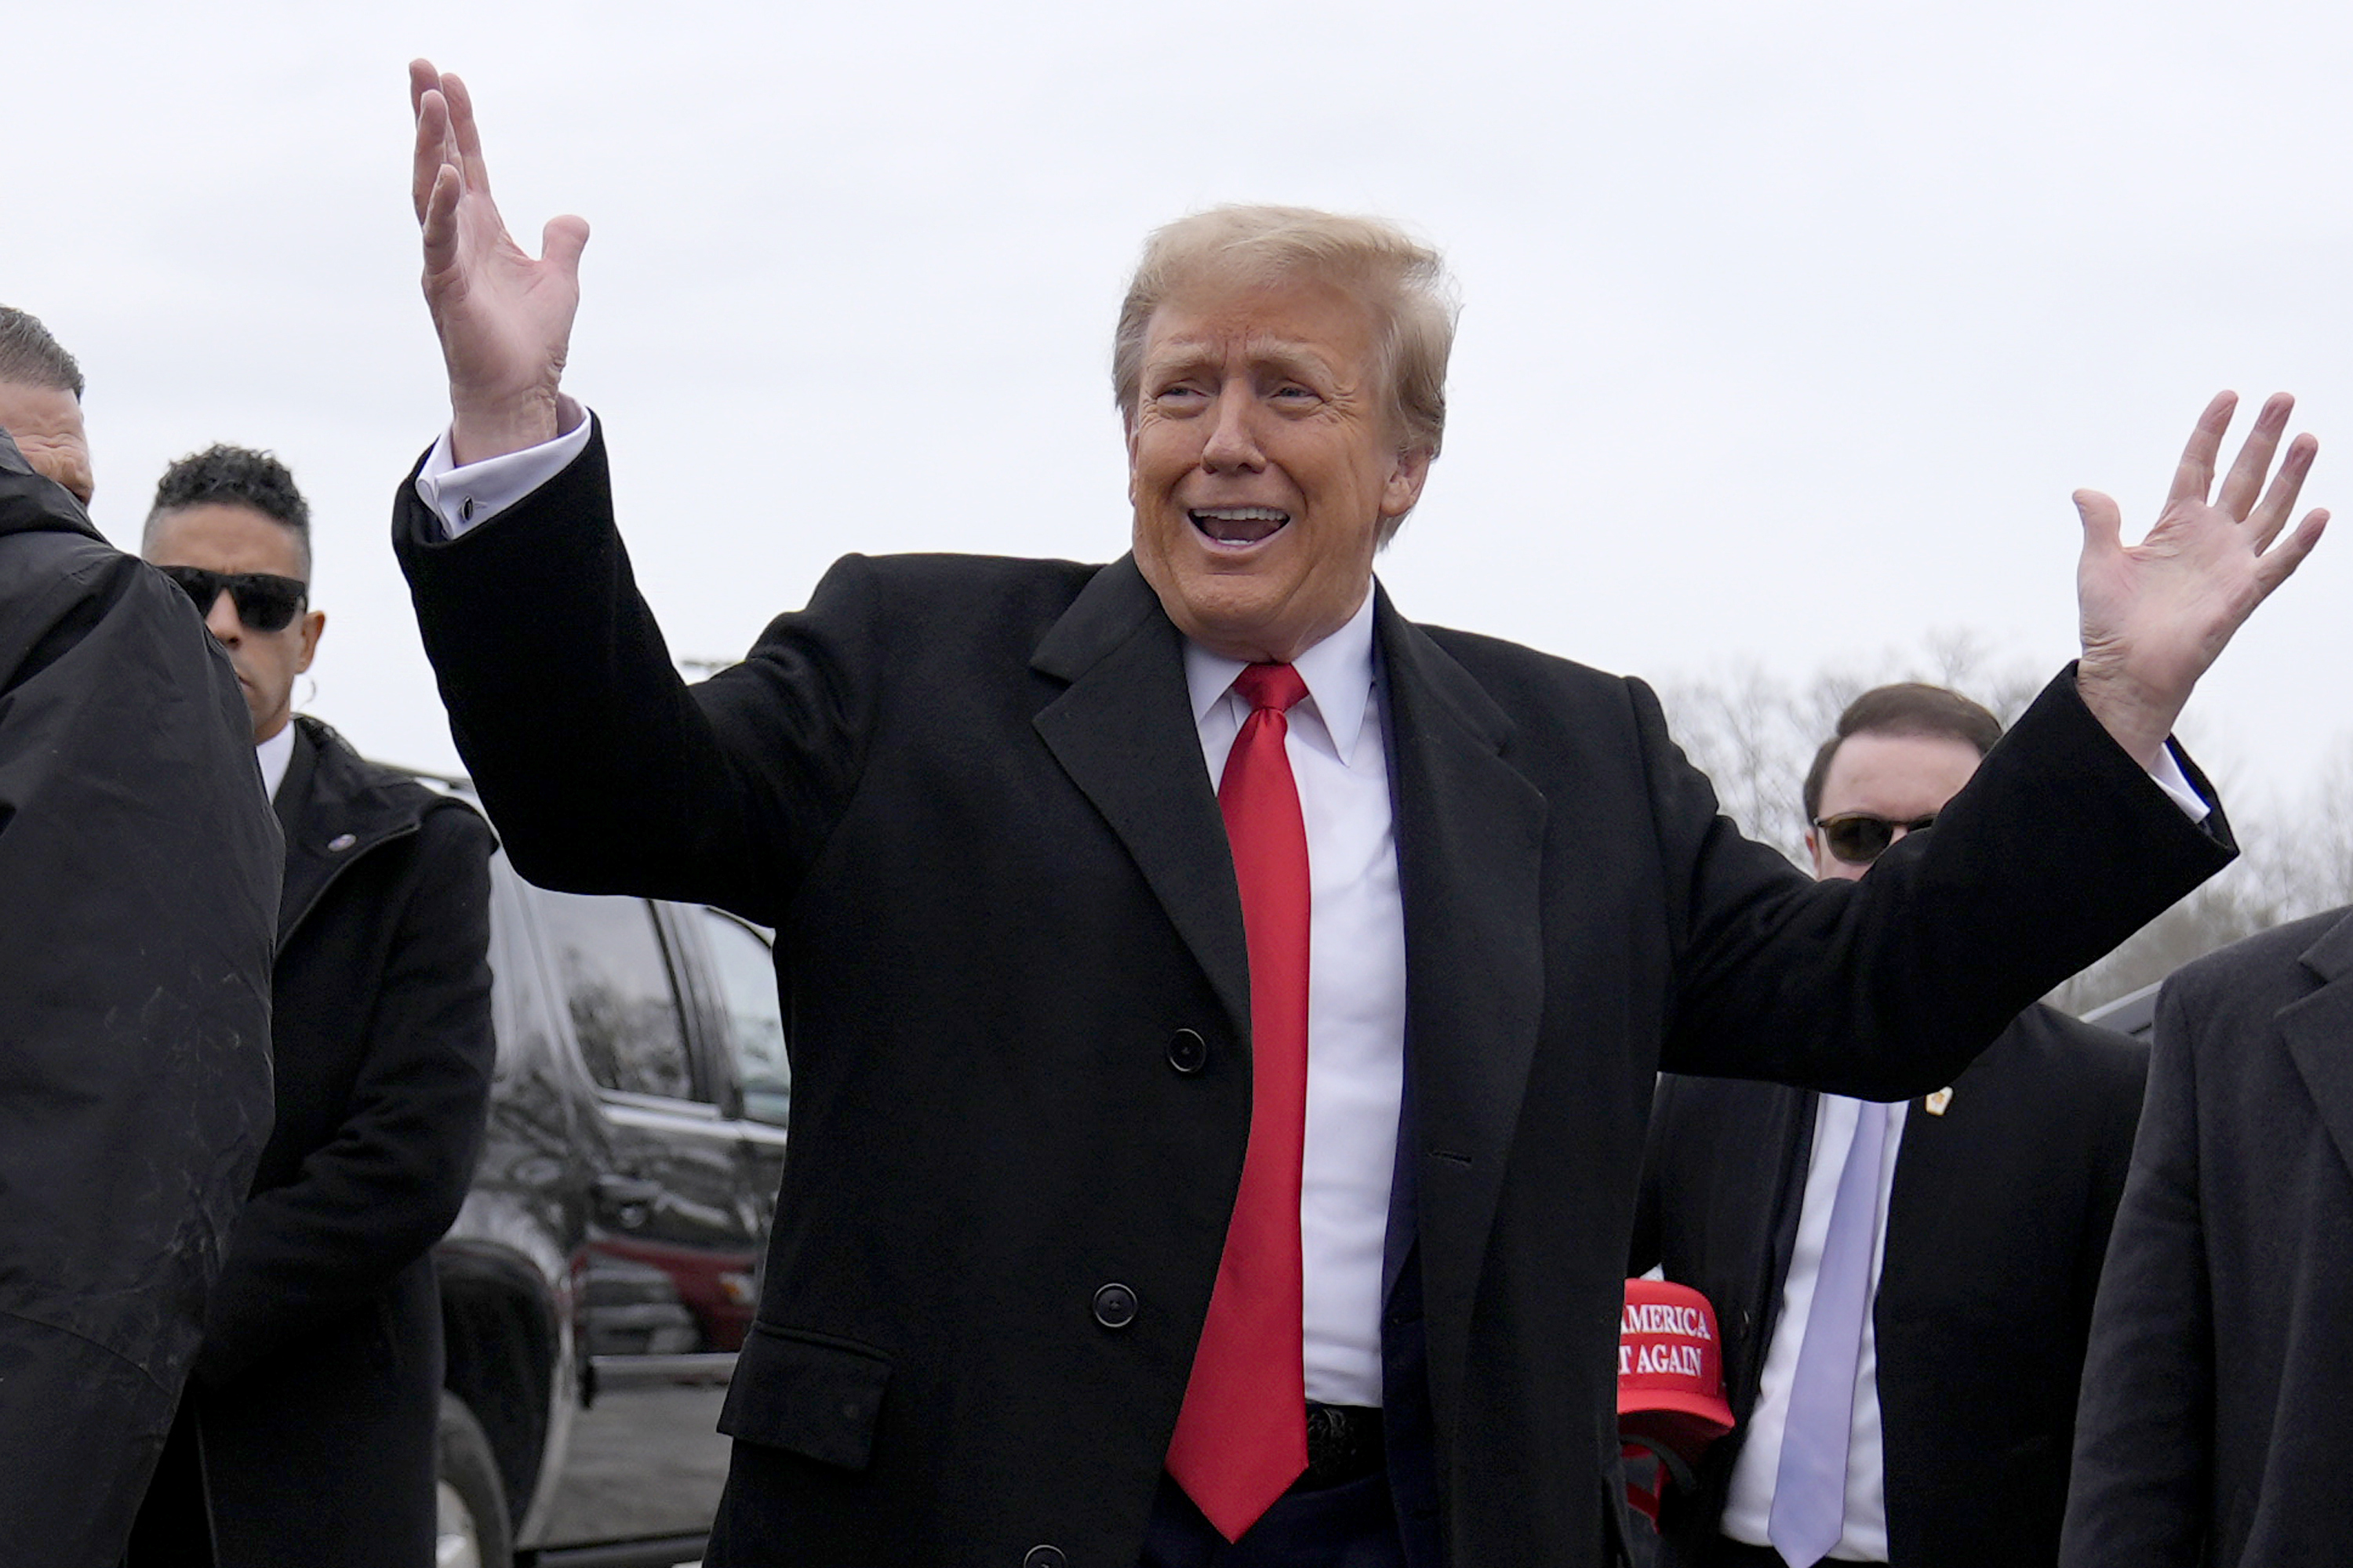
x=31 y=503
x=2318 y=1030
x=2331 y=957
x=1338 y=673
x=1123 y=732
x=336 y=808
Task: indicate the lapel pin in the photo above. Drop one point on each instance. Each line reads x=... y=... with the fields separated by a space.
x=1934 y=1103
x=345 y=841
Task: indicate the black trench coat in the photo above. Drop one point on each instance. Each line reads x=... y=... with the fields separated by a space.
x=139 y=873
x=316 y=1391
x=2217 y=1421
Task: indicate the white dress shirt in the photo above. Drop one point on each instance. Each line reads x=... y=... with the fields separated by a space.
x=464 y=497
x=1356 y=989
x=1748 y=1505
x=274 y=755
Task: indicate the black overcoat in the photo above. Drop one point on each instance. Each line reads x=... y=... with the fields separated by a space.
x=317 y=1389
x=968 y=794
x=2217 y=1422
x=137 y=888
x=1997 y=1224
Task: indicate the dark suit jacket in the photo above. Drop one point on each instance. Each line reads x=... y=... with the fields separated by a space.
x=2217 y=1424
x=1998 y=1221
x=317 y=1387
x=968 y=794
x=138 y=885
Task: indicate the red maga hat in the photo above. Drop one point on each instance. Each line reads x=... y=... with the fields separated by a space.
x=1670 y=1371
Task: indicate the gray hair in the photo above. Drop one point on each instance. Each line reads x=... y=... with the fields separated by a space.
x=29 y=356
x=1404 y=281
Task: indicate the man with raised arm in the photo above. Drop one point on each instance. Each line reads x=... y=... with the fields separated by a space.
x=1223 y=1012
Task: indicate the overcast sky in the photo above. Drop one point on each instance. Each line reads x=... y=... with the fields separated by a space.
x=1787 y=328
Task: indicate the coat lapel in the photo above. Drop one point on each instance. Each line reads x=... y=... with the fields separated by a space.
x=331 y=816
x=1470 y=835
x=1123 y=732
x=2318 y=1030
x=1791 y=1132
x=308 y=866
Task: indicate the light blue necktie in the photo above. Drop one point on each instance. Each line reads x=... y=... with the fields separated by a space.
x=1809 y=1489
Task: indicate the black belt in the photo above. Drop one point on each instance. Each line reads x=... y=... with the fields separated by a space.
x=1343 y=1443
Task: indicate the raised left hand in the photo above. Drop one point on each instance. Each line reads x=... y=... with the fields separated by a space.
x=2156 y=614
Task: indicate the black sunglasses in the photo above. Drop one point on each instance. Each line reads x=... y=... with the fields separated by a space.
x=1859 y=838
x=264 y=602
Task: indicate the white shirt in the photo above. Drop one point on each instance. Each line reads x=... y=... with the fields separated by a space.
x=274 y=755
x=1356 y=988
x=1748 y=1505
x=480 y=491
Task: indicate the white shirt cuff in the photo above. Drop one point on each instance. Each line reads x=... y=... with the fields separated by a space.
x=466 y=497
x=2176 y=783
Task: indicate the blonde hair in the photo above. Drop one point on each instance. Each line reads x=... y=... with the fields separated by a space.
x=1403 y=280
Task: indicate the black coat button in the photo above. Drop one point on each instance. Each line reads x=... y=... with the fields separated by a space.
x=1188 y=1052
x=1114 y=1308
x=1045 y=1557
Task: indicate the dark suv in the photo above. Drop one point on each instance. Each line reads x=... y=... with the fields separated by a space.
x=598 y=1282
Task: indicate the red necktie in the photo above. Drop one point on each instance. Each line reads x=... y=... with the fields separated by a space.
x=1242 y=1437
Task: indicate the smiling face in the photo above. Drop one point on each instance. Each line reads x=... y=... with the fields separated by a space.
x=46 y=424
x=232 y=538
x=1263 y=463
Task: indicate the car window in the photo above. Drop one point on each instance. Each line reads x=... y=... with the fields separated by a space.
x=520 y=1013
x=608 y=958
x=755 y=1021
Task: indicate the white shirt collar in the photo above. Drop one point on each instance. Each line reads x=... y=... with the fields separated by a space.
x=1338 y=673
x=274 y=755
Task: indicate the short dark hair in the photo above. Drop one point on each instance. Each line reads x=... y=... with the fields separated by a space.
x=1907 y=709
x=29 y=356
x=234 y=476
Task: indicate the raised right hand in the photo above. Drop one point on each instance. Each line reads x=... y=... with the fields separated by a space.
x=504 y=319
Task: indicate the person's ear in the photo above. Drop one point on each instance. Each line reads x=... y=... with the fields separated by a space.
x=313 y=623
x=1402 y=489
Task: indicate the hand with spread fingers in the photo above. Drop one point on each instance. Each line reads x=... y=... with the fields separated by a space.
x=504 y=318
x=2156 y=614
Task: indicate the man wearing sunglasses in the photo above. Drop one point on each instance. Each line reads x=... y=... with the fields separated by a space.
x=1905 y=1291
x=306 y=1433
